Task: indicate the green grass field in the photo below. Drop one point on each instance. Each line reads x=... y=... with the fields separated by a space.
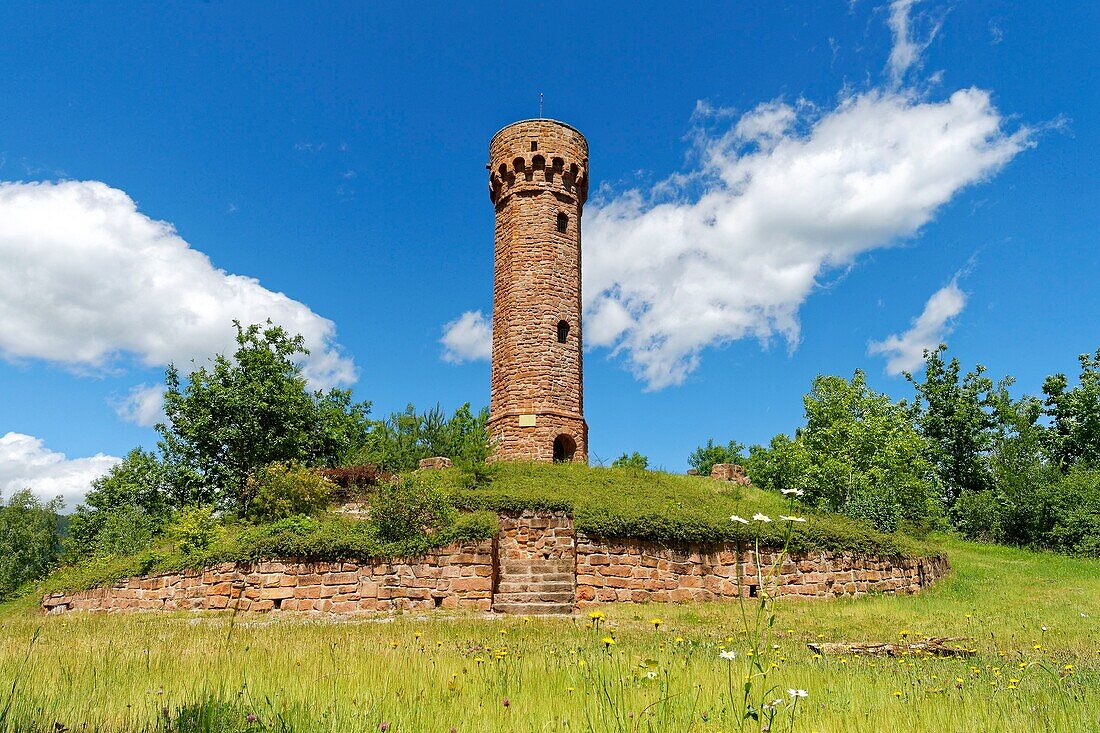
x=1034 y=620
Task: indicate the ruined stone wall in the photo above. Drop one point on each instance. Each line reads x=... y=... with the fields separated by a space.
x=457 y=576
x=537 y=564
x=538 y=172
x=641 y=571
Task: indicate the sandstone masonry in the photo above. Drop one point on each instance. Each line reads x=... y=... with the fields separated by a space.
x=537 y=564
x=640 y=571
x=538 y=183
x=457 y=576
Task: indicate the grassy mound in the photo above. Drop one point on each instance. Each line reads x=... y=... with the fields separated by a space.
x=616 y=503
x=606 y=503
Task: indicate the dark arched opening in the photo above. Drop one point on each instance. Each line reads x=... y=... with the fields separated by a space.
x=563 y=223
x=564 y=448
x=563 y=331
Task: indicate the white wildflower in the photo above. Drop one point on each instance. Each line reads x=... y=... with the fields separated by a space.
x=797 y=693
x=735 y=518
x=761 y=517
x=792 y=492
x=785 y=518
x=729 y=655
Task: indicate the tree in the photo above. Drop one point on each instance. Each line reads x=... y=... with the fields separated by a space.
x=29 y=542
x=635 y=462
x=1074 y=435
x=704 y=457
x=782 y=465
x=398 y=442
x=249 y=411
x=863 y=455
x=958 y=420
x=124 y=506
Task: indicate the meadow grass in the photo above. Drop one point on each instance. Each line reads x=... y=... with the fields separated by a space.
x=1027 y=615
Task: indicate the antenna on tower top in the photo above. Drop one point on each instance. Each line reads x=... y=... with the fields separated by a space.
x=540 y=105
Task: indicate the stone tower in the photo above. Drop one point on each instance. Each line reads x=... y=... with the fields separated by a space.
x=538 y=183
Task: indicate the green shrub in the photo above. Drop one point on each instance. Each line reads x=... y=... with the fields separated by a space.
x=878 y=508
x=193 y=529
x=414 y=505
x=635 y=462
x=125 y=530
x=1074 y=525
x=977 y=516
x=286 y=489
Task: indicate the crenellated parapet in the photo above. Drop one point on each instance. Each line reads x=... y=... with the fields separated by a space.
x=538 y=155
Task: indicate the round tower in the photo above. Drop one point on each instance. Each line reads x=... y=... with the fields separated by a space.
x=538 y=183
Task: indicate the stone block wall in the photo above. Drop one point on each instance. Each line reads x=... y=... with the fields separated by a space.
x=730 y=472
x=641 y=571
x=537 y=564
x=457 y=576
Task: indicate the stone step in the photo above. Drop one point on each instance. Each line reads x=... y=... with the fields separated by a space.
x=533 y=609
x=537 y=567
x=522 y=586
x=538 y=577
x=531 y=596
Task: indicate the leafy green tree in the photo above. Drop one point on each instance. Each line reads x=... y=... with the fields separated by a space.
x=126 y=504
x=249 y=411
x=863 y=454
x=29 y=542
x=634 y=462
x=956 y=416
x=703 y=458
x=1074 y=435
x=782 y=465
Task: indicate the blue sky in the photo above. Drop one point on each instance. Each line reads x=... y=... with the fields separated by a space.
x=782 y=190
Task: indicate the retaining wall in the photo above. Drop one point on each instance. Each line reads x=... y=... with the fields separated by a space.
x=457 y=576
x=640 y=571
x=532 y=548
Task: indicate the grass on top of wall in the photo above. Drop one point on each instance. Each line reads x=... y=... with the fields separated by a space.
x=328 y=538
x=614 y=503
x=607 y=503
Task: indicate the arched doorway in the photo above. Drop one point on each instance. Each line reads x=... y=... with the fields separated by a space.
x=564 y=448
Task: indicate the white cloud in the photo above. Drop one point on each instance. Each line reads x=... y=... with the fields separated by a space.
x=87 y=279
x=467 y=338
x=26 y=462
x=908 y=46
x=142 y=405
x=733 y=248
x=905 y=352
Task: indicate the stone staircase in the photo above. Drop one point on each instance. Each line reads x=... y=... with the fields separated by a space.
x=537 y=565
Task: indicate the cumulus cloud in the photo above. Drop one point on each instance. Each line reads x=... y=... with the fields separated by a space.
x=467 y=338
x=905 y=352
x=87 y=279
x=787 y=193
x=26 y=462
x=142 y=405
